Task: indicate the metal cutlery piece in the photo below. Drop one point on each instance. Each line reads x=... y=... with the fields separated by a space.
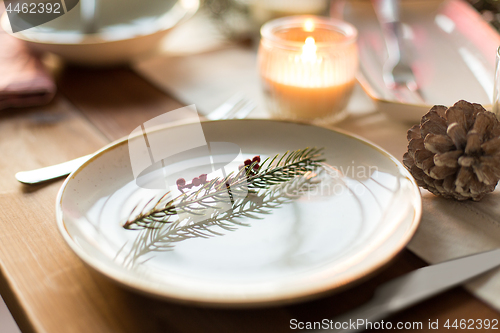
x=88 y=16
x=397 y=74
x=417 y=286
x=51 y=172
x=237 y=107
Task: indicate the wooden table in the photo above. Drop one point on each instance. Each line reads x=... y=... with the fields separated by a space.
x=48 y=288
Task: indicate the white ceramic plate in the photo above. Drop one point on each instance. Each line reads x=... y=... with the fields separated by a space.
x=303 y=249
x=452 y=48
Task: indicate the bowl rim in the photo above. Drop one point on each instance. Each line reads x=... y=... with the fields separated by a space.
x=181 y=11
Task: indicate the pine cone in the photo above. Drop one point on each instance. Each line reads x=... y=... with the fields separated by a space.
x=455 y=152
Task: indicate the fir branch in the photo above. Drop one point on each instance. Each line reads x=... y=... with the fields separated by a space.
x=162 y=237
x=272 y=171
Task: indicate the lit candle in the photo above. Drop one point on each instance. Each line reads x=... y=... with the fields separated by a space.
x=308 y=67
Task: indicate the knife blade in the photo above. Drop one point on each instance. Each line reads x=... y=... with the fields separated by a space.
x=414 y=287
x=51 y=172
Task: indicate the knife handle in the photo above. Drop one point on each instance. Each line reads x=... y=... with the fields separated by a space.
x=387 y=10
x=51 y=172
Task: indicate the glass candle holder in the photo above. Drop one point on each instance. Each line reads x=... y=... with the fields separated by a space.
x=307 y=66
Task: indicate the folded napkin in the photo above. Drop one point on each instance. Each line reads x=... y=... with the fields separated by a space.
x=23 y=78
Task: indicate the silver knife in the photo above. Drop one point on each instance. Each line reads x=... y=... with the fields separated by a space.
x=412 y=288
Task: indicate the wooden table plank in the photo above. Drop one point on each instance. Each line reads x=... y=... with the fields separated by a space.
x=37 y=137
x=114 y=100
x=47 y=286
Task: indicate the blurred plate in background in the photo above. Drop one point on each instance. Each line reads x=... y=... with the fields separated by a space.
x=127 y=29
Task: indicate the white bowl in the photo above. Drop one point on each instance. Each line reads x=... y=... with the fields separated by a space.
x=128 y=30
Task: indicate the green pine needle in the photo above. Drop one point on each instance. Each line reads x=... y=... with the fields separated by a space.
x=272 y=171
x=159 y=236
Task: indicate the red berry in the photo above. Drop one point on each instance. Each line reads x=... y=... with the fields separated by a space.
x=256 y=159
x=256 y=167
x=203 y=178
x=181 y=182
x=196 y=181
x=248 y=162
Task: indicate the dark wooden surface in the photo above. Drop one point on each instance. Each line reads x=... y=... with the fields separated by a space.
x=46 y=286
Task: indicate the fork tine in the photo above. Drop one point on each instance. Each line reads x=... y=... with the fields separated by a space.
x=227 y=107
x=419 y=96
x=230 y=114
x=405 y=95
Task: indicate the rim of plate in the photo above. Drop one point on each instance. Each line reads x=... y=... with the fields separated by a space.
x=278 y=298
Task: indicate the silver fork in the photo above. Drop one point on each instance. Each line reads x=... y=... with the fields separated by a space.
x=237 y=107
x=397 y=73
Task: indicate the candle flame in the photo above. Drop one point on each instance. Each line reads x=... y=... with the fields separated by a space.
x=309 y=25
x=309 y=50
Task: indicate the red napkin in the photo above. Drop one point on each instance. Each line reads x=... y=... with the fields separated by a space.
x=23 y=78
